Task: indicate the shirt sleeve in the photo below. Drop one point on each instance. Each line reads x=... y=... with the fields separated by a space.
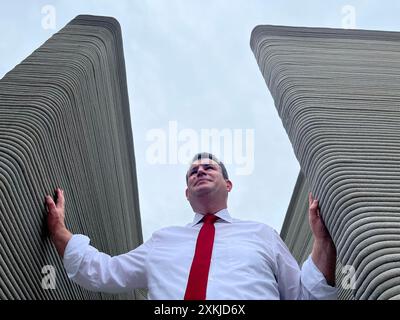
x=314 y=285
x=307 y=283
x=98 y=271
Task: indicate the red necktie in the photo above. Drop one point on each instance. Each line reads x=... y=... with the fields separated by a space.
x=198 y=277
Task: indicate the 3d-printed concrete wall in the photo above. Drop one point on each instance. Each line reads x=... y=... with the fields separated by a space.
x=338 y=95
x=296 y=233
x=65 y=122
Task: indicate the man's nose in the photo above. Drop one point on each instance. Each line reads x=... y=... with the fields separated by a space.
x=201 y=171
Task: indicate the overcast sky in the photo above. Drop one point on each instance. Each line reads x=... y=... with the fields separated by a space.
x=191 y=74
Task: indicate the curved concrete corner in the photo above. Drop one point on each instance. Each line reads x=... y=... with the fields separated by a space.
x=65 y=122
x=337 y=93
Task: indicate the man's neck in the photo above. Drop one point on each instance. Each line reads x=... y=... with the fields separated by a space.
x=208 y=208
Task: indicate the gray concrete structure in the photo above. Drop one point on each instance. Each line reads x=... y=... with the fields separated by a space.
x=297 y=235
x=65 y=121
x=337 y=93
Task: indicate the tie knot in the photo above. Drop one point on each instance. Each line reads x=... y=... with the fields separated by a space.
x=210 y=218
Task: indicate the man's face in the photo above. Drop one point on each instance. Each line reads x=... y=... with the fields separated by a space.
x=205 y=176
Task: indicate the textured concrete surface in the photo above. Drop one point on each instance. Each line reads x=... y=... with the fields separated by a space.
x=65 y=122
x=337 y=93
x=297 y=235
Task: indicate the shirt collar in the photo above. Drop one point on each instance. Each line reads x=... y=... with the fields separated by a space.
x=222 y=214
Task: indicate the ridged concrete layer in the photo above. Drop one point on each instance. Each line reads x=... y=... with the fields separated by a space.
x=64 y=121
x=297 y=235
x=338 y=95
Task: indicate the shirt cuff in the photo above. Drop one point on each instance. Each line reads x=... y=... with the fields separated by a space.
x=315 y=283
x=74 y=253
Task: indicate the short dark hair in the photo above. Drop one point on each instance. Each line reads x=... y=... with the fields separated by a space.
x=206 y=155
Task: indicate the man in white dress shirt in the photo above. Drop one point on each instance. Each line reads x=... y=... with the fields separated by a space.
x=249 y=259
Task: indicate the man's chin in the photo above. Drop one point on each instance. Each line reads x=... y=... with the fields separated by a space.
x=202 y=189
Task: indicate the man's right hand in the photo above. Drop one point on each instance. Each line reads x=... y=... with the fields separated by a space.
x=59 y=234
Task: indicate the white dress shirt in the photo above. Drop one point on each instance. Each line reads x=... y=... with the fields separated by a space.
x=249 y=262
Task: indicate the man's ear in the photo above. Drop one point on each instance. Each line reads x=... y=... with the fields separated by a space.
x=229 y=185
x=187 y=193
